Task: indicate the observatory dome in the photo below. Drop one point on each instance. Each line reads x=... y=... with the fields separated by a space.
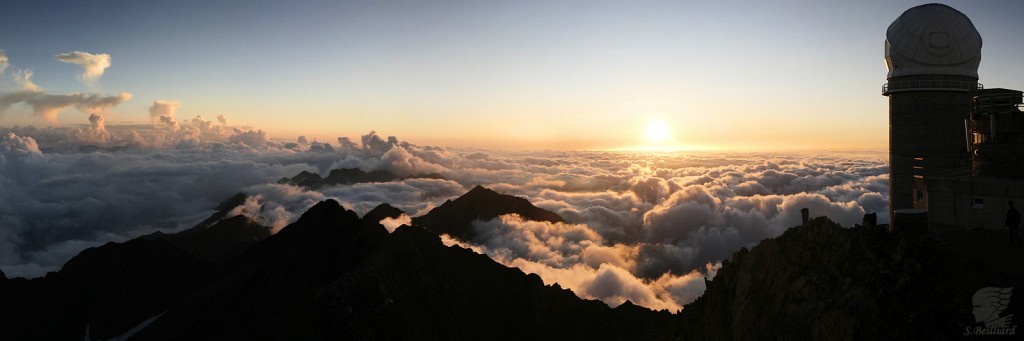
x=932 y=39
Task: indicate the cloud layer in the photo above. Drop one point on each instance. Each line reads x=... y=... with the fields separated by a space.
x=645 y=227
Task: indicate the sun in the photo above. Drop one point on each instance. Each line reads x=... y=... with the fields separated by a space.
x=657 y=132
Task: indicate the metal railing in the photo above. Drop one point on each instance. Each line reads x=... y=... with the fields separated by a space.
x=943 y=165
x=930 y=84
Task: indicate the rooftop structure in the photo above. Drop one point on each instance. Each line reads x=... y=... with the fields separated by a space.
x=956 y=150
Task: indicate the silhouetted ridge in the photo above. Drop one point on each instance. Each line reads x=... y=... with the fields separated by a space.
x=218 y=243
x=349 y=176
x=109 y=288
x=382 y=211
x=456 y=217
x=223 y=209
x=328 y=212
x=329 y=276
x=307 y=179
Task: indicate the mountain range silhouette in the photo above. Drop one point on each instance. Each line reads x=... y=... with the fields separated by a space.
x=334 y=275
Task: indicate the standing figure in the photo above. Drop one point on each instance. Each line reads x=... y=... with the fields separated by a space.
x=1012 y=222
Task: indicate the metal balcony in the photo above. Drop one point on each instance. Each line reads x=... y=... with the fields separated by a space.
x=930 y=85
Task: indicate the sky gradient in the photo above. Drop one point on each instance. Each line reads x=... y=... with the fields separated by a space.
x=496 y=74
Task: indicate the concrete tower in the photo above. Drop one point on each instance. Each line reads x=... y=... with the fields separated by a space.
x=932 y=52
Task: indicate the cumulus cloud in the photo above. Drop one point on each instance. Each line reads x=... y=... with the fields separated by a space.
x=4 y=62
x=162 y=111
x=93 y=65
x=14 y=147
x=23 y=78
x=46 y=105
x=96 y=134
x=252 y=138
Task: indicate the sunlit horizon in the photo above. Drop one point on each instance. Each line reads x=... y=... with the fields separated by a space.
x=509 y=76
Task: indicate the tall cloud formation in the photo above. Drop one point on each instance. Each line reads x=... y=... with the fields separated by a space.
x=93 y=65
x=644 y=227
x=46 y=105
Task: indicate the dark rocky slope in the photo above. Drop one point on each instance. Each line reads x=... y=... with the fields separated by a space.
x=110 y=289
x=219 y=243
x=822 y=281
x=456 y=217
x=114 y=287
x=331 y=275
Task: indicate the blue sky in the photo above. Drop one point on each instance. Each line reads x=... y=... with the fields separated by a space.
x=498 y=74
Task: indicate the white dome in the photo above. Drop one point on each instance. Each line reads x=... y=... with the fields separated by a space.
x=932 y=39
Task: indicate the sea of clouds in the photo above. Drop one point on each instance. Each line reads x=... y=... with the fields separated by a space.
x=645 y=227
x=640 y=226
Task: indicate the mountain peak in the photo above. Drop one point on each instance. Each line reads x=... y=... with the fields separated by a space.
x=456 y=217
x=480 y=189
x=325 y=210
x=382 y=211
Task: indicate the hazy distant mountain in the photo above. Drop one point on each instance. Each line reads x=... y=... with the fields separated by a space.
x=456 y=217
x=348 y=176
x=218 y=239
x=223 y=209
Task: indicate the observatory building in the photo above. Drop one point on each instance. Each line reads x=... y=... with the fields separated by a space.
x=956 y=149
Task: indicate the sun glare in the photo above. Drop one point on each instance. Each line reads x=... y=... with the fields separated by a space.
x=658 y=132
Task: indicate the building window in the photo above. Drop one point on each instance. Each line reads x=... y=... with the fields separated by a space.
x=979 y=203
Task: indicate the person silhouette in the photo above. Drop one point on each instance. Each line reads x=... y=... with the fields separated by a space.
x=1012 y=221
